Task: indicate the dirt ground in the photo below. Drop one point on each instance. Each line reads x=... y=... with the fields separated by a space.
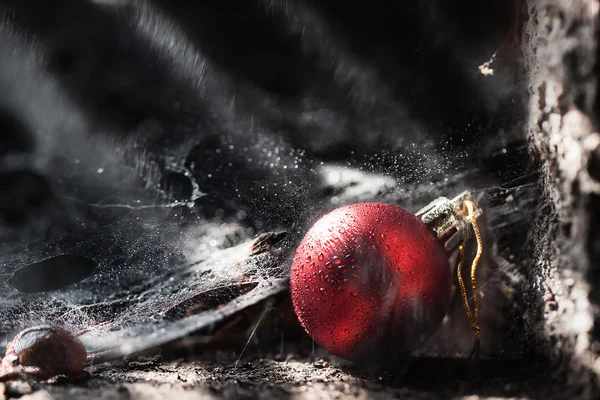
x=275 y=376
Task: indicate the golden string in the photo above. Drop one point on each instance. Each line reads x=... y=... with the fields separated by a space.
x=473 y=316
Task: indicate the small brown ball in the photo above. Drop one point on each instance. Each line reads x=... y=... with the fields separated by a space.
x=53 y=350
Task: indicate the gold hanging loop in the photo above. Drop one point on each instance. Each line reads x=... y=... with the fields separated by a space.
x=473 y=315
x=454 y=221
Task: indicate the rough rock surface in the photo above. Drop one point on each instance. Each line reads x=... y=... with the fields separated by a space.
x=562 y=55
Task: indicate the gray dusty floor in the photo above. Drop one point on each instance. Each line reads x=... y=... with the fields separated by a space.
x=302 y=379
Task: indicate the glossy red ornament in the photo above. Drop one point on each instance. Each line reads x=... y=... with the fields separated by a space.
x=370 y=281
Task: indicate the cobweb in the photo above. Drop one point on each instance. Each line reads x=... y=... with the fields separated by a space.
x=144 y=232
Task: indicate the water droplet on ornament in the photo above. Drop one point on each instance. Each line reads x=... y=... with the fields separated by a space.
x=362 y=240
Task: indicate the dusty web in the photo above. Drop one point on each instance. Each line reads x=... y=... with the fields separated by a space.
x=148 y=234
x=164 y=271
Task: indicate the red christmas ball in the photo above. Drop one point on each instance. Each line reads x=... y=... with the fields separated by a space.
x=370 y=281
